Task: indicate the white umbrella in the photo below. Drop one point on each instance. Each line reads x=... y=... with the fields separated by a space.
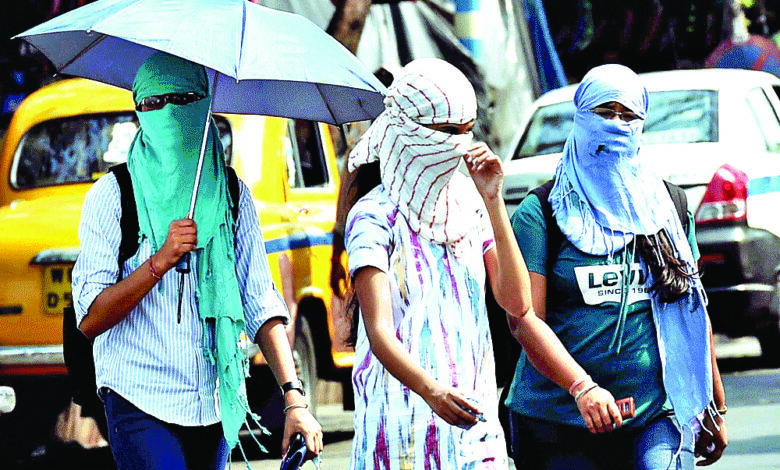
x=261 y=61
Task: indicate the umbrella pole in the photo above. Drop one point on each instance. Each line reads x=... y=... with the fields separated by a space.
x=191 y=213
x=183 y=265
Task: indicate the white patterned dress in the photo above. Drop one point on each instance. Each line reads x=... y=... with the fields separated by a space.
x=438 y=303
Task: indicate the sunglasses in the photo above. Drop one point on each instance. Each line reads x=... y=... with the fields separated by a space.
x=607 y=113
x=153 y=103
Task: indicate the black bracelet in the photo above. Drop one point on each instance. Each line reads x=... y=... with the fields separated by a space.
x=293 y=385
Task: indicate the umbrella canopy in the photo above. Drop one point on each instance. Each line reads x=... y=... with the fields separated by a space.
x=261 y=61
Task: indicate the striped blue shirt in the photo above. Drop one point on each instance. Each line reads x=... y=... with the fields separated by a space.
x=154 y=362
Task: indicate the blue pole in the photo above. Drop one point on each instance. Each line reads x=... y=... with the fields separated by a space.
x=469 y=27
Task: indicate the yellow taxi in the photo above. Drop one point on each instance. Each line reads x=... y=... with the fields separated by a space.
x=64 y=137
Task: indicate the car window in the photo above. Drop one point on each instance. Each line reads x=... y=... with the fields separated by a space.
x=681 y=117
x=80 y=149
x=304 y=156
x=766 y=118
x=675 y=117
x=547 y=131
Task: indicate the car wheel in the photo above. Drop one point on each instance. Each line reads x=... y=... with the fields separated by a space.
x=769 y=335
x=306 y=361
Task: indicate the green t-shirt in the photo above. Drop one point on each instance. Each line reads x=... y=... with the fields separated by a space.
x=583 y=309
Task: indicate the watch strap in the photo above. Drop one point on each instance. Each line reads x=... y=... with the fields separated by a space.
x=293 y=385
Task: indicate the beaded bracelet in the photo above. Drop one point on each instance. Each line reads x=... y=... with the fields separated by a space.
x=151 y=270
x=295 y=405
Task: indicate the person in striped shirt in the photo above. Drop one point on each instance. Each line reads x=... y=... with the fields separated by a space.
x=168 y=364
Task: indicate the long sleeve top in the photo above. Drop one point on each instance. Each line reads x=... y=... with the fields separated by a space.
x=149 y=358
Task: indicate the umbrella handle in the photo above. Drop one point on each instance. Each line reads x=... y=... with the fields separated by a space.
x=183 y=265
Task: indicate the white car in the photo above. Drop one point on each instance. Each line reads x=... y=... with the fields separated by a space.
x=715 y=133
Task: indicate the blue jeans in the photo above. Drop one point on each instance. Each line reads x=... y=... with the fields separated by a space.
x=542 y=445
x=140 y=441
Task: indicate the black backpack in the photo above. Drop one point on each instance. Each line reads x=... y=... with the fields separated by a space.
x=77 y=348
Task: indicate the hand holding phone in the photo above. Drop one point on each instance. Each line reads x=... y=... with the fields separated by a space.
x=478 y=415
x=627 y=407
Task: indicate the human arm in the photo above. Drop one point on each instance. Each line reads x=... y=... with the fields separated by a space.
x=115 y=302
x=711 y=446
x=272 y=339
x=542 y=347
x=265 y=316
x=99 y=300
x=549 y=356
x=507 y=273
x=372 y=287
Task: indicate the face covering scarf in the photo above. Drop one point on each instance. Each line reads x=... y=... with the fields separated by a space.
x=604 y=194
x=163 y=161
x=418 y=164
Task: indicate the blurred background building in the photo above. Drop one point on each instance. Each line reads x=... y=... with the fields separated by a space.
x=511 y=50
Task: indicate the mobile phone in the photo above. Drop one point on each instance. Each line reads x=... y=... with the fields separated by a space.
x=479 y=416
x=627 y=407
x=296 y=451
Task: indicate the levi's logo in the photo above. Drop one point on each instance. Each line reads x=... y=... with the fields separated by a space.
x=604 y=283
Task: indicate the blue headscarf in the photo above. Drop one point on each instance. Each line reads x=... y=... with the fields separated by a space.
x=604 y=194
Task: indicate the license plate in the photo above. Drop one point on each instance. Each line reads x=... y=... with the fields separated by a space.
x=56 y=288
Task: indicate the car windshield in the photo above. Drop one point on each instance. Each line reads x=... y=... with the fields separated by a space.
x=81 y=149
x=676 y=117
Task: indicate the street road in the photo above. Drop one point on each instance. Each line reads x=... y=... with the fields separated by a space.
x=753 y=419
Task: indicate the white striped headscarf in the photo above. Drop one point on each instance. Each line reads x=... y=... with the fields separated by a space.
x=417 y=164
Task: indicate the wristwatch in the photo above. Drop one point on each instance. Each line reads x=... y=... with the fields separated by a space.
x=293 y=385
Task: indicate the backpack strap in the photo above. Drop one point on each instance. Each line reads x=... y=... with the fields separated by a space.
x=680 y=201
x=554 y=235
x=129 y=220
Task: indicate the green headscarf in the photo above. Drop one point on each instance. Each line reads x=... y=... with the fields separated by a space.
x=163 y=161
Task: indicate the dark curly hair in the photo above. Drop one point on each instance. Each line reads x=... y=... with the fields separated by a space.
x=367 y=177
x=671 y=274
